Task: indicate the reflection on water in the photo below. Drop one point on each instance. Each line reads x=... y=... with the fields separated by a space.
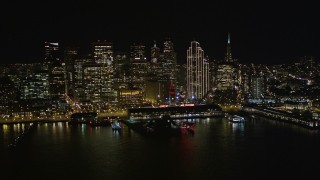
x=10 y=132
x=256 y=149
x=237 y=127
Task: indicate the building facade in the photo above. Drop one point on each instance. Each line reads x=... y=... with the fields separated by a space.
x=197 y=72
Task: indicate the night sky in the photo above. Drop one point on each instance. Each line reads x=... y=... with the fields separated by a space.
x=261 y=32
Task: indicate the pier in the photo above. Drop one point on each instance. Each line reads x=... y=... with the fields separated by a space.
x=282 y=116
x=176 y=112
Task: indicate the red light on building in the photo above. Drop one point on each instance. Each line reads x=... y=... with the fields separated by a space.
x=172 y=91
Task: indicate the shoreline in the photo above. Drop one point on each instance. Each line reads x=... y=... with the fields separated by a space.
x=3 y=122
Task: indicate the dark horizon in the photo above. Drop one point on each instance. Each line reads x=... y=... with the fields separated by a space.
x=260 y=33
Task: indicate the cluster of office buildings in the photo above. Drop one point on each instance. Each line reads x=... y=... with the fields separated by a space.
x=66 y=81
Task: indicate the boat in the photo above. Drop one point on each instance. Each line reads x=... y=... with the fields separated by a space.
x=187 y=127
x=236 y=119
x=116 y=125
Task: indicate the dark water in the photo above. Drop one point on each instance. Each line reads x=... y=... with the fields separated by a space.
x=258 y=149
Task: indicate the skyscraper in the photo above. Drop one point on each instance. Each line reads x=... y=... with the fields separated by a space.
x=228 y=56
x=162 y=73
x=35 y=86
x=138 y=53
x=7 y=95
x=168 y=62
x=98 y=77
x=98 y=83
x=138 y=63
x=51 y=51
x=56 y=70
x=168 y=46
x=155 y=51
x=102 y=52
x=226 y=74
x=257 y=87
x=197 y=72
x=70 y=56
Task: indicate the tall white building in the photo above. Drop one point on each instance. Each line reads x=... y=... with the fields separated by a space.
x=197 y=72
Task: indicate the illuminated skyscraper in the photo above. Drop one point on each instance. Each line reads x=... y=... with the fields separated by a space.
x=7 y=95
x=197 y=72
x=138 y=63
x=121 y=67
x=51 y=51
x=138 y=53
x=168 y=62
x=56 y=69
x=226 y=75
x=162 y=74
x=155 y=51
x=168 y=46
x=35 y=86
x=228 y=56
x=98 y=77
x=79 y=83
x=98 y=84
x=102 y=52
x=70 y=56
x=181 y=77
x=257 y=86
x=57 y=82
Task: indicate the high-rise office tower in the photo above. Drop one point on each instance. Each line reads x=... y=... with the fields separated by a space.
x=98 y=84
x=155 y=51
x=168 y=46
x=57 y=82
x=35 y=86
x=51 y=51
x=228 y=56
x=79 y=84
x=70 y=56
x=154 y=65
x=162 y=73
x=138 y=64
x=245 y=82
x=168 y=62
x=257 y=86
x=98 y=77
x=226 y=75
x=181 y=70
x=56 y=70
x=138 y=52
x=7 y=95
x=197 y=72
x=121 y=67
x=102 y=52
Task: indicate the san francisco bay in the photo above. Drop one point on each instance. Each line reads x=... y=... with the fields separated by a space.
x=255 y=149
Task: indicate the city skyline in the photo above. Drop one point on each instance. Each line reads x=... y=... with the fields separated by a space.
x=171 y=89
x=266 y=33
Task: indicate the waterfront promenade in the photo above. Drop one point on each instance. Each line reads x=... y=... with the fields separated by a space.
x=60 y=118
x=27 y=120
